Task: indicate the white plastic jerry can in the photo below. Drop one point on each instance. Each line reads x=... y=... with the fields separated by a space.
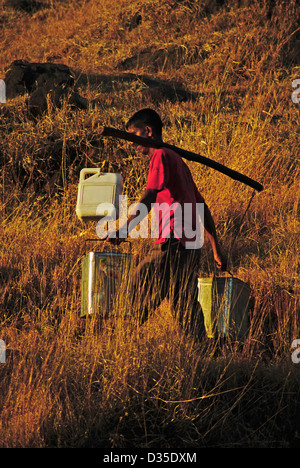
x=98 y=194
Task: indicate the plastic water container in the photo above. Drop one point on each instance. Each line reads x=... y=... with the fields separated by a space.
x=101 y=278
x=98 y=194
x=225 y=303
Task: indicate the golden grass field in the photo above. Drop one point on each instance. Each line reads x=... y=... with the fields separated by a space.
x=223 y=89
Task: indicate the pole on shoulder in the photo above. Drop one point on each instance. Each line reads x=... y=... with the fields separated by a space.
x=190 y=156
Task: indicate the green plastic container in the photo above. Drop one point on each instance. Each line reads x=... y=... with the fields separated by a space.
x=225 y=304
x=102 y=274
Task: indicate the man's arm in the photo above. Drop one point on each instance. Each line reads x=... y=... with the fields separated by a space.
x=210 y=229
x=147 y=199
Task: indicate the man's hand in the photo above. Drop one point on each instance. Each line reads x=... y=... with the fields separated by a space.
x=221 y=261
x=210 y=228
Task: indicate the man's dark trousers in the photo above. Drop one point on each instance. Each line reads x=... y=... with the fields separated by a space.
x=169 y=271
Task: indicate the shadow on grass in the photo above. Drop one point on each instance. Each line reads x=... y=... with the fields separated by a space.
x=155 y=88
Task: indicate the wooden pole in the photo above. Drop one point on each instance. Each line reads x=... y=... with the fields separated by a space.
x=190 y=156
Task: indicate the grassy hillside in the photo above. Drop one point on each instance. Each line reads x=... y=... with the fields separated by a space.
x=220 y=74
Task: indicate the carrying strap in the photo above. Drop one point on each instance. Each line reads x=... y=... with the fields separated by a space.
x=239 y=228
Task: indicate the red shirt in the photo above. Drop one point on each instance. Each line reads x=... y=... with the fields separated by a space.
x=176 y=206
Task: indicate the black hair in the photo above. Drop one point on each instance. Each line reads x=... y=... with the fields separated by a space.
x=145 y=117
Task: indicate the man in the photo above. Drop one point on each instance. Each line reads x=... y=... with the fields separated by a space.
x=171 y=267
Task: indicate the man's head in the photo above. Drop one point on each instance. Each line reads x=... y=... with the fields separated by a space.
x=144 y=120
x=147 y=124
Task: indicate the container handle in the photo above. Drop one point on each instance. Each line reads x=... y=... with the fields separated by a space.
x=103 y=240
x=89 y=170
x=215 y=273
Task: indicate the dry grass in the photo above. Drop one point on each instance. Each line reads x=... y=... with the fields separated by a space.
x=119 y=385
